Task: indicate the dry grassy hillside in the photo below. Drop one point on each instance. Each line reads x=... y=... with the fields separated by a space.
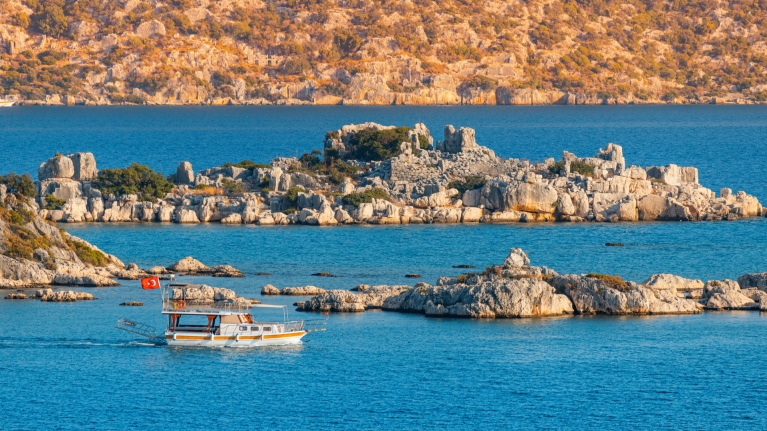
x=383 y=52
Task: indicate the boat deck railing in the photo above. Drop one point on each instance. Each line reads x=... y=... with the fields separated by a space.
x=313 y=325
x=202 y=306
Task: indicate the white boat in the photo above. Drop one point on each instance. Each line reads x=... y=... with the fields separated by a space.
x=222 y=323
x=6 y=103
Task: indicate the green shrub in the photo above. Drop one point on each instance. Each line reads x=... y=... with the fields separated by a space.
x=371 y=144
x=291 y=197
x=365 y=197
x=582 y=168
x=232 y=187
x=50 y=20
x=471 y=182
x=481 y=82
x=247 y=164
x=19 y=184
x=53 y=203
x=135 y=179
x=88 y=255
x=576 y=166
x=296 y=66
x=423 y=142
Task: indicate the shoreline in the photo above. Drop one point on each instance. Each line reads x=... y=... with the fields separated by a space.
x=29 y=103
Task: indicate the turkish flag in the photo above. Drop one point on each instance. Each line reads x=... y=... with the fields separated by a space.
x=150 y=283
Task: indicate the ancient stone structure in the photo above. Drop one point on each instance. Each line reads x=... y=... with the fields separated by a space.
x=422 y=185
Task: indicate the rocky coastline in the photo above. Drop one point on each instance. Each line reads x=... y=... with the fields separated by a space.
x=515 y=289
x=34 y=253
x=455 y=180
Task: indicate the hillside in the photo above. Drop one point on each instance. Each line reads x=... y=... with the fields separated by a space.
x=382 y=52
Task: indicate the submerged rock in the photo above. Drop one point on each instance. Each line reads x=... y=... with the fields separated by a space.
x=226 y=271
x=65 y=296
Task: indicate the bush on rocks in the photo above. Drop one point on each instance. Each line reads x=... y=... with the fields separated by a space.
x=371 y=144
x=19 y=184
x=247 y=164
x=136 y=179
x=471 y=182
x=366 y=197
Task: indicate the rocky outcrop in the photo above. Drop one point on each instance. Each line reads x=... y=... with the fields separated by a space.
x=757 y=280
x=345 y=301
x=692 y=289
x=598 y=294
x=35 y=253
x=48 y=295
x=192 y=266
x=500 y=298
x=292 y=291
x=727 y=295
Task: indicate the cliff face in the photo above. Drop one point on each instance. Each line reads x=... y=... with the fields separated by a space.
x=374 y=52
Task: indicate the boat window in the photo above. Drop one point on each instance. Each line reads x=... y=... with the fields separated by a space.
x=267 y=328
x=254 y=329
x=243 y=328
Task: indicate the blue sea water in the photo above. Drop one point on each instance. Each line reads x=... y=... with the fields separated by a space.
x=65 y=366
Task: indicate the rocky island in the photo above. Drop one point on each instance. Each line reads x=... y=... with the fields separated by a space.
x=517 y=289
x=375 y=174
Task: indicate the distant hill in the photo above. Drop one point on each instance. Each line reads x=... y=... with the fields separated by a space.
x=383 y=52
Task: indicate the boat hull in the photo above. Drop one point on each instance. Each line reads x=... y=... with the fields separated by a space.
x=209 y=340
x=6 y=104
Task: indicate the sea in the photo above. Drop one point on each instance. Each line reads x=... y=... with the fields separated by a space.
x=66 y=366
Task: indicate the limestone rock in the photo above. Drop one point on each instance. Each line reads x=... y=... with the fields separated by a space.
x=302 y=291
x=270 y=290
x=226 y=271
x=83 y=279
x=189 y=265
x=234 y=218
x=132 y=272
x=152 y=28
x=502 y=298
x=56 y=167
x=731 y=300
x=184 y=173
x=517 y=258
x=610 y=295
x=157 y=270
x=672 y=282
x=66 y=296
x=457 y=141
x=757 y=280
x=345 y=301
x=84 y=167
x=25 y=273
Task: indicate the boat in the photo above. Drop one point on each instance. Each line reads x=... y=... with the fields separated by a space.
x=226 y=323
x=6 y=103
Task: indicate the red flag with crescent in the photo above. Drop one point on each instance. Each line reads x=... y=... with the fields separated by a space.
x=150 y=283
